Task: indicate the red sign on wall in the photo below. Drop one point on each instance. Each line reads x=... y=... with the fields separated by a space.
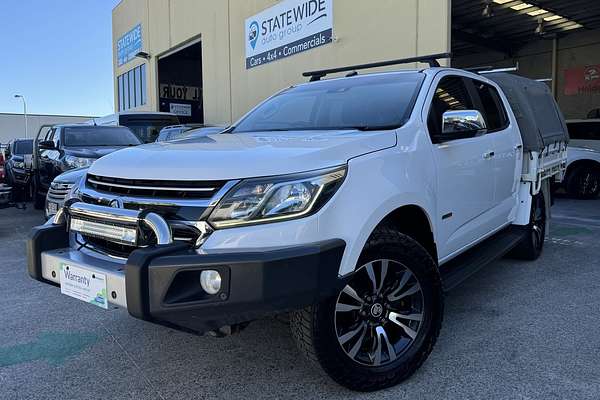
x=582 y=80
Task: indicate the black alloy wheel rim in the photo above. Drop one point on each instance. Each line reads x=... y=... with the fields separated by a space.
x=588 y=184
x=379 y=313
x=538 y=222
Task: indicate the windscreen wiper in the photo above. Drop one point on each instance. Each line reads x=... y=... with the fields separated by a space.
x=372 y=128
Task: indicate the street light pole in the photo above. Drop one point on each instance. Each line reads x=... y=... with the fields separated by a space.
x=24 y=112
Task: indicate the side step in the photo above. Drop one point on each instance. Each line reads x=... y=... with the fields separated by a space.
x=459 y=269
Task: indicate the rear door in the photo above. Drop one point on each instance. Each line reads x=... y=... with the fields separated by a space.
x=465 y=185
x=507 y=145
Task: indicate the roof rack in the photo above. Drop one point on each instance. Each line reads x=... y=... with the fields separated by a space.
x=431 y=59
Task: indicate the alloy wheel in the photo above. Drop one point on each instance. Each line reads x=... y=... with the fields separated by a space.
x=379 y=313
x=588 y=184
x=538 y=222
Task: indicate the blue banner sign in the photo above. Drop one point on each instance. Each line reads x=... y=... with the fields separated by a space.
x=288 y=28
x=129 y=45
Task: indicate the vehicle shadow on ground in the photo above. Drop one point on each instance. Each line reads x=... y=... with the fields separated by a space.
x=515 y=330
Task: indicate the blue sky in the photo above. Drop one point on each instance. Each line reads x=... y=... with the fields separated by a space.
x=58 y=54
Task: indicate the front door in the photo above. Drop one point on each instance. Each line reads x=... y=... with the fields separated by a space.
x=465 y=194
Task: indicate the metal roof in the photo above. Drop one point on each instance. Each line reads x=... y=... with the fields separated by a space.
x=510 y=24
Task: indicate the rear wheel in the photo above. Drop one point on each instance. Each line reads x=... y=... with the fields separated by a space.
x=584 y=182
x=29 y=191
x=532 y=244
x=38 y=200
x=383 y=324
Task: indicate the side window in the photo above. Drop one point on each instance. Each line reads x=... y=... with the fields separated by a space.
x=49 y=134
x=451 y=94
x=56 y=138
x=584 y=130
x=492 y=108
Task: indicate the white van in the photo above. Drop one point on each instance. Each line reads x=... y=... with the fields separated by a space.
x=145 y=124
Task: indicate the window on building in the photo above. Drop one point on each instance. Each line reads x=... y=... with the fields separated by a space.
x=132 y=88
x=125 y=91
x=120 y=92
x=143 y=85
x=132 y=102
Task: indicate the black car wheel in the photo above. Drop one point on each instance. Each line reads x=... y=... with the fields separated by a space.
x=383 y=324
x=584 y=182
x=530 y=248
x=38 y=200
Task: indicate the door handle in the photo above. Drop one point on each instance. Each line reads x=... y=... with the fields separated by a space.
x=488 y=155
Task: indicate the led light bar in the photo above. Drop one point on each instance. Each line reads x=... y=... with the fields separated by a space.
x=114 y=233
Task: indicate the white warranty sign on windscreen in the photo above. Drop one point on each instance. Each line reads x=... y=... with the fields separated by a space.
x=288 y=28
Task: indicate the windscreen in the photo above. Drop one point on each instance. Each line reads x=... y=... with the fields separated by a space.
x=147 y=130
x=23 y=147
x=88 y=136
x=584 y=130
x=375 y=102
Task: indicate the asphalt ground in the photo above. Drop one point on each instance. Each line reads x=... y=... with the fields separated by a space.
x=516 y=330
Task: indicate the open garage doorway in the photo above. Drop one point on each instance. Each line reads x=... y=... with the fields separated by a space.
x=554 y=40
x=180 y=83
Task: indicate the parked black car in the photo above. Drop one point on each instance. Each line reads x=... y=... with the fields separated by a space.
x=174 y=132
x=17 y=167
x=65 y=147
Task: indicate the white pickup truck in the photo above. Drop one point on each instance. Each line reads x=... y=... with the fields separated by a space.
x=351 y=202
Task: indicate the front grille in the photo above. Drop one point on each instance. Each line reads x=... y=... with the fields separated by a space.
x=181 y=233
x=58 y=191
x=184 y=205
x=155 y=188
x=108 y=247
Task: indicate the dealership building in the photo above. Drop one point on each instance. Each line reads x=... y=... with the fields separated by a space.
x=213 y=60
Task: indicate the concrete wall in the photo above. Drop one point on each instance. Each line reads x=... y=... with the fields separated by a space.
x=12 y=126
x=364 y=31
x=535 y=61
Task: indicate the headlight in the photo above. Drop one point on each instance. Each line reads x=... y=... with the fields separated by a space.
x=271 y=199
x=78 y=162
x=19 y=164
x=75 y=191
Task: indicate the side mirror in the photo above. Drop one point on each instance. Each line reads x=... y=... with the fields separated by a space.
x=46 y=145
x=461 y=124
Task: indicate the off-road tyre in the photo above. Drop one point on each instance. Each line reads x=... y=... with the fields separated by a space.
x=38 y=201
x=314 y=330
x=530 y=248
x=583 y=182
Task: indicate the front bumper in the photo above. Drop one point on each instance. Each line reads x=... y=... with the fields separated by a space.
x=20 y=177
x=161 y=283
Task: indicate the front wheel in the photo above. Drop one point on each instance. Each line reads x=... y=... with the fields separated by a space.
x=383 y=324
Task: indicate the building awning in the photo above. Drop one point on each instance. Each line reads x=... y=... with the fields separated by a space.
x=508 y=25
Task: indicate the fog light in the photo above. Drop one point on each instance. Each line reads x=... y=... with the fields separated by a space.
x=210 y=280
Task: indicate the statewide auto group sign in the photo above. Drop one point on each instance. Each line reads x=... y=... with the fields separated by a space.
x=129 y=45
x=288 y=28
